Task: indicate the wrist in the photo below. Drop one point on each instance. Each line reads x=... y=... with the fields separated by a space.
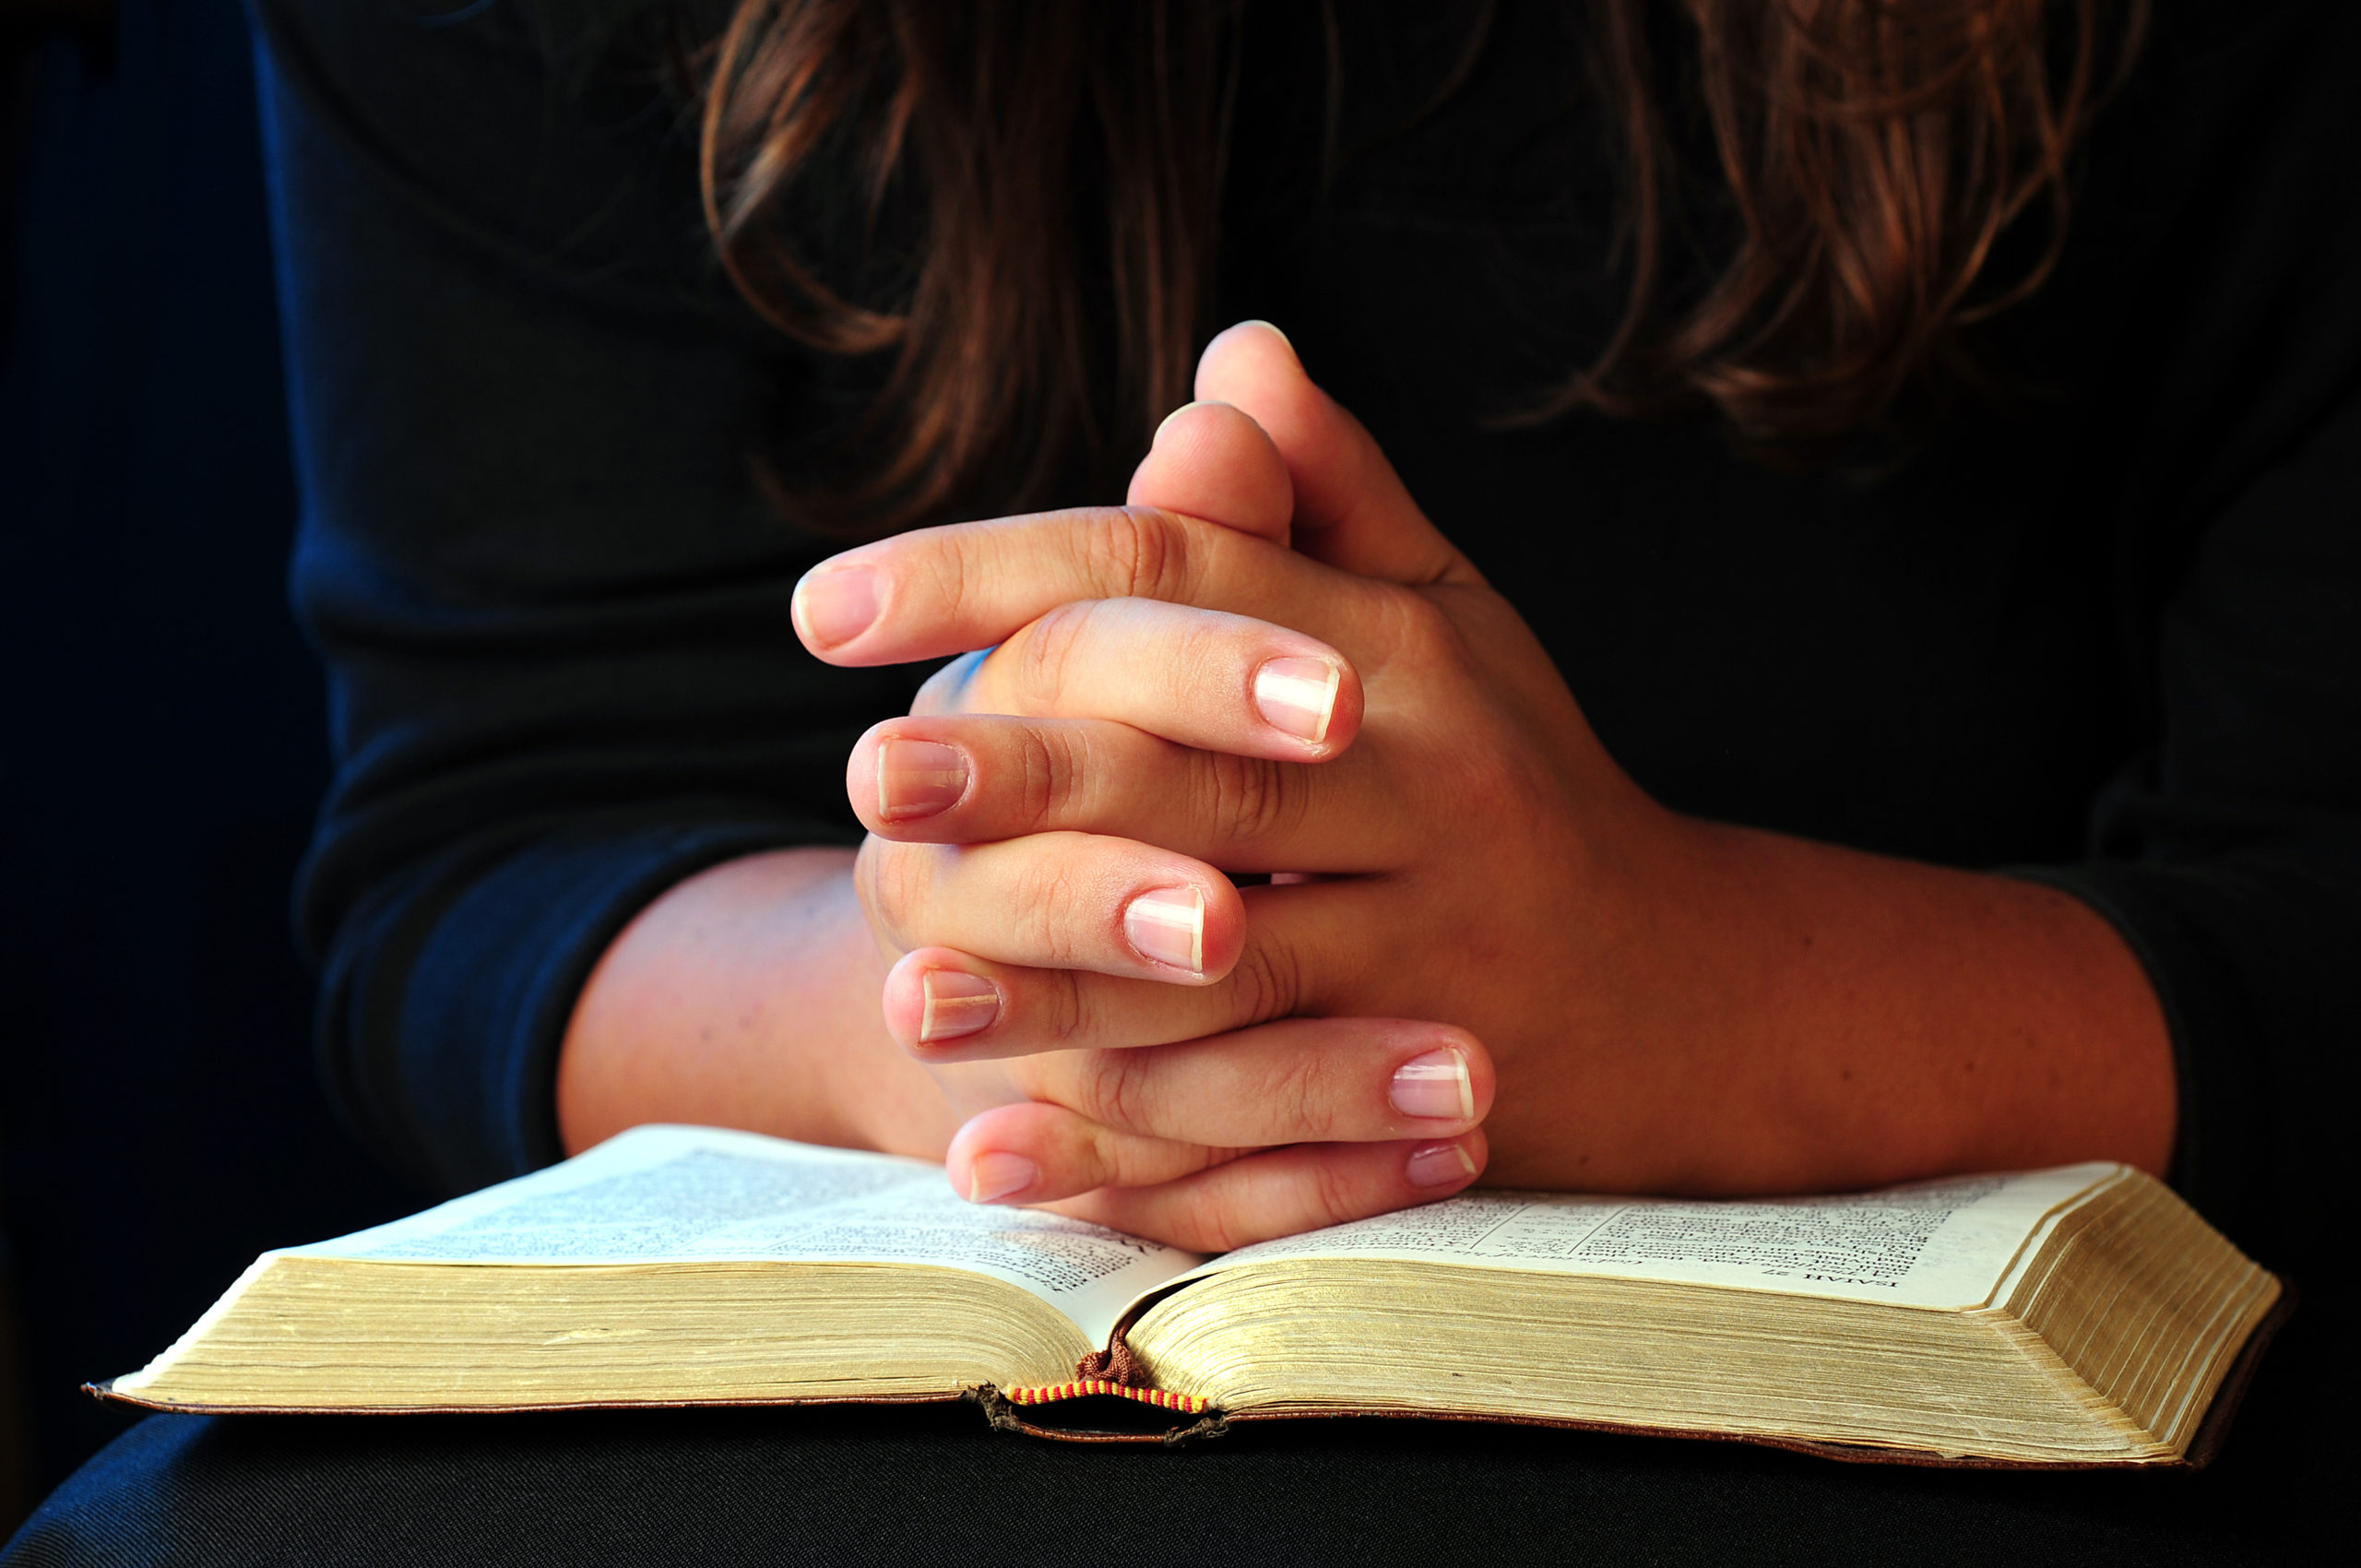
x=746 y=996
x=1891 y=1020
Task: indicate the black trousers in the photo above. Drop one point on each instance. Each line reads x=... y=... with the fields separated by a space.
x=933 y=1484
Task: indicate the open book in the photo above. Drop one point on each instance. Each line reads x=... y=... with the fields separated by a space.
x=2076 y=1316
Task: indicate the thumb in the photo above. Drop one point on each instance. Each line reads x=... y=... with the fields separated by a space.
x=1208 y=461
x=1351 y=510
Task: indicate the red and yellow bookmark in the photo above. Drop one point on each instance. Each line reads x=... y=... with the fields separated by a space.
x=1188 y=1404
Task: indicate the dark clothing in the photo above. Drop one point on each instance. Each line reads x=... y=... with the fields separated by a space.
x=929 y=1485
x=2105 y=629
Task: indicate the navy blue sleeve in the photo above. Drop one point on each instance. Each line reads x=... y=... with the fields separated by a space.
x=553 y=601
x=2230 y=852
x=550 y=597
x=2228 y=849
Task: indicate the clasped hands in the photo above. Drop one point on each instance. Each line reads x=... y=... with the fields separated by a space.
x=1268 y=662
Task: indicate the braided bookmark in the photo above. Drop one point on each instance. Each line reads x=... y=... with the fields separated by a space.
x=1188 y=1404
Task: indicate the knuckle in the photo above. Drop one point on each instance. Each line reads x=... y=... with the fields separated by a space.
x=1111 y=1158
x=1060 y=1014
x=1332 y=1193
x=1418 y=632
x=1139 y=553
x=1208 y=1221
x=1116 y=1089
x=1038 y=658
x=1141 y=1162
x=894 y=881
x=1083 y=765
x=952 y=564
x=1046 y=891
x=1267 y=982
x=1044 y=783
x=1255 y=799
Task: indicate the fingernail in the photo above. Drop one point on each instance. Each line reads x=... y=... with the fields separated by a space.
x=992 y=1177
x=834 y=607
x=919 y=779
x=1435 y=1084
x=1439 y=1165
x=1200 y=403
x=956 y=1003
x=1169 y=926
x=1298 y=695
x=1274 y=332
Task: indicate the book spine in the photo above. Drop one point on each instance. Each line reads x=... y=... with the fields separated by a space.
x=1163 y=1399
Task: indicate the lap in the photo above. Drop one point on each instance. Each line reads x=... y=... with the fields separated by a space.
x=905 y=1484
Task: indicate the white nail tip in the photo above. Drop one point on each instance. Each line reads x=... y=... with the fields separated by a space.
x=1169 y=926
x=1298 y=695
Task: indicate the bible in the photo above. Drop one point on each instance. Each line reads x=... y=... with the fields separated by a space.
x=2080 y=1316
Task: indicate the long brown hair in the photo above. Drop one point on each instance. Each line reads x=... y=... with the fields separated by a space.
x=1061 y=163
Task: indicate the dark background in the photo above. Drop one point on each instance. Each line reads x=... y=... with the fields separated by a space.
x=161 y=732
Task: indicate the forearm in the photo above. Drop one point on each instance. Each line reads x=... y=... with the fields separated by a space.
x=1822 y=1018
x=1790 y=1016
x=747 y=997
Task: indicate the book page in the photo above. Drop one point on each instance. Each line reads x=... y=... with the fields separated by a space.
x=701 y=1194
x=1946 y=1244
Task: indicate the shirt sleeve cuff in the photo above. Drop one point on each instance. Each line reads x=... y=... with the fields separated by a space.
x=444 y=1004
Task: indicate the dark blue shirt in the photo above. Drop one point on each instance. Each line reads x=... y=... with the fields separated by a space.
x=2102 y=627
